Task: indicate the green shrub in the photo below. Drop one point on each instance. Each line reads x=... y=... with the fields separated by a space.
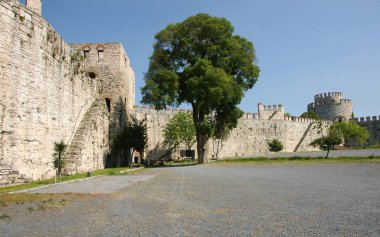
x=275 y=145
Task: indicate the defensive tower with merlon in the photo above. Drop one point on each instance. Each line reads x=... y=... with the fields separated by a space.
x=331 y=106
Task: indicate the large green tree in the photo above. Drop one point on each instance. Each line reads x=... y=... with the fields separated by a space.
x=200 y=62
x=353 y=134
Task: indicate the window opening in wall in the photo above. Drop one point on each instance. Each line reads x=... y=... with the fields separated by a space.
x=92 y=75
x=100 y=54
x=340 y=120
x=108 y=103
x=86 y=53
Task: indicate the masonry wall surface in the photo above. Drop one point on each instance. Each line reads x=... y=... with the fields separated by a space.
x=249 y=138
x=110 y=65
x=373 y=125
x=42 y=99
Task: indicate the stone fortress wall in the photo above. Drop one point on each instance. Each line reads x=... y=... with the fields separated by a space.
x=331 y=106
x=250 y=137
x=82 y=93
x=47 y=95
x=373 y=125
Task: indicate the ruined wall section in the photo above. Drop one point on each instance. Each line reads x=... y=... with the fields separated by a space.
x=249 y=138
x=42 y=99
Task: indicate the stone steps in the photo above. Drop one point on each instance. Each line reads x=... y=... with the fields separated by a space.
x=73 y=153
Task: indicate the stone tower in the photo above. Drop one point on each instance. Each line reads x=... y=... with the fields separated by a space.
x=35 y=5
x=270 y=112
x=331 y=106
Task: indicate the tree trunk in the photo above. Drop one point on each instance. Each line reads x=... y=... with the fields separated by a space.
x=328 y=151
x=202 y=138
x=201 y=142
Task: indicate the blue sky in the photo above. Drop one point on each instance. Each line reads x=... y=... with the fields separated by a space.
x=304 y=47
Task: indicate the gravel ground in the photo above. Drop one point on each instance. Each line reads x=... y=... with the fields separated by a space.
x=219 y=200
x=333 y=153
x=103 y=184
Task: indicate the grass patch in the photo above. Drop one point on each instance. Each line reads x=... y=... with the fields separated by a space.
x=296 y=159
x=111 y=171
x=40 y=202
x=184 y=162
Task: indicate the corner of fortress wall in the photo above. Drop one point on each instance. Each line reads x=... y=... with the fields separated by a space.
x=43 y=97
x=250 y=137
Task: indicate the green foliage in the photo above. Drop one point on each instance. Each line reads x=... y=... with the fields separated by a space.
x=328 y=142
x=222 y=123
x=275 y=145
x=288 y=114
x=352 y=133
x=180 y=129
x=311 y=115
x=132 y=137
x=76 y=59
x=59 y=151
x=319 y=126
x=199 y=61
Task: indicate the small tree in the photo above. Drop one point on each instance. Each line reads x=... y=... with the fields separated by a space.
x=328 y=142
x=222 y=123
x=275 y=146
x=59 y=151
x=180 y=129
x=132 y=137
x=352 y=133
x=311 y=115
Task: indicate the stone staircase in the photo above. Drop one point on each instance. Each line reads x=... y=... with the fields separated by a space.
x=303 y=137
x=75 y=153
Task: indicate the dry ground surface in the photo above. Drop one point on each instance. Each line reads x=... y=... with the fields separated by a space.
x=314 y=199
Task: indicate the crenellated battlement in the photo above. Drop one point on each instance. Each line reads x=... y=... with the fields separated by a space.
x=346 y=101
x=35 y=6
x=328 y=95
x=279 y=107
x=323 y=103
x=150 y=110
x=246 y=116
x=331 y=106
x=367 y=119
